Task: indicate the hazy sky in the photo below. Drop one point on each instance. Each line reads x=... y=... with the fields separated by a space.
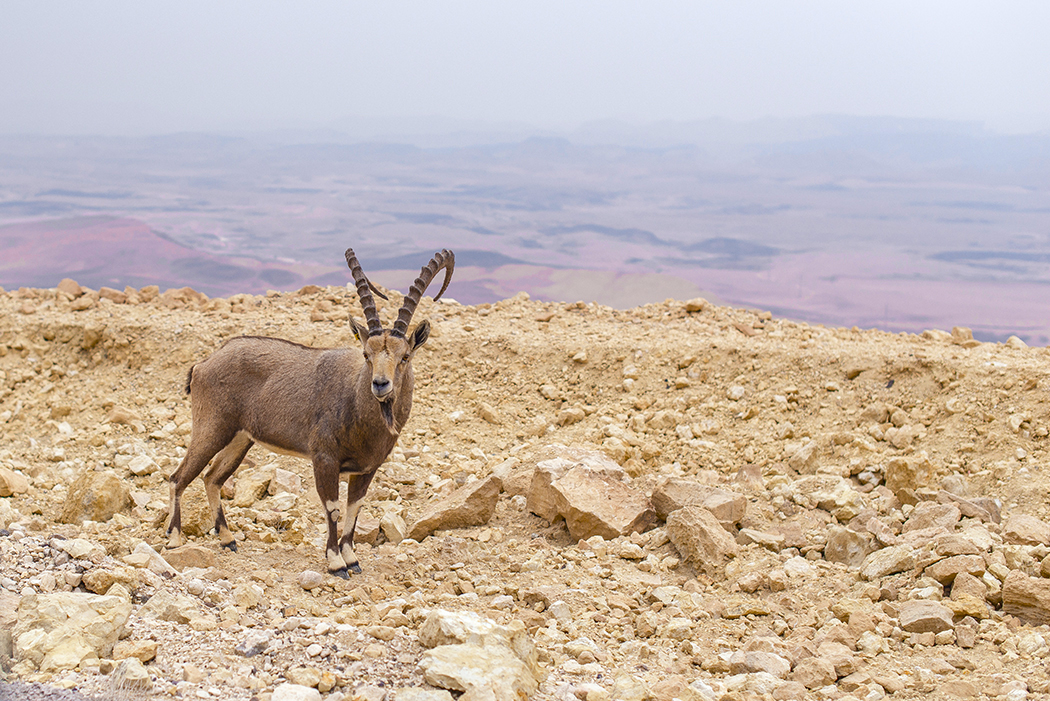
x=147 y=67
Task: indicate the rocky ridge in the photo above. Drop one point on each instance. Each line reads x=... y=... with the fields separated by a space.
x=675 y=501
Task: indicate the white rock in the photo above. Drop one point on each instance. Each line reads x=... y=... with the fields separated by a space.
x=489 y=672
x=142 y=465
x=295 y=692
x=308 y=579
x=81 y=549
x=65 y=629
x=157 y=564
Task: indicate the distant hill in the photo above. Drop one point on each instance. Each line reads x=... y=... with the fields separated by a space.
x=111 y=251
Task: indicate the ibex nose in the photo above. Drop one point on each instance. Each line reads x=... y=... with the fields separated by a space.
x=381 y=387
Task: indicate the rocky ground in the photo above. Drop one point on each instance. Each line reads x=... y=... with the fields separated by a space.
x=674 y=501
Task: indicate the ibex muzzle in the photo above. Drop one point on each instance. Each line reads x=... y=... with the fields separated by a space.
x=341 y=408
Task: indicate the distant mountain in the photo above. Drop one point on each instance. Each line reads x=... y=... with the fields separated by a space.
x=115 y=252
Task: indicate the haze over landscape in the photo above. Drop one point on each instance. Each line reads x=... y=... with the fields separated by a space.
x=163 y=147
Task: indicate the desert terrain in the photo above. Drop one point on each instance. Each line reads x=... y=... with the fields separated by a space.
x=815 y=512
x=896 y=224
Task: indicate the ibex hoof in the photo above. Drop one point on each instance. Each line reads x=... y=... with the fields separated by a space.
x=231 y=546
x=340 y=573
x=355 y=568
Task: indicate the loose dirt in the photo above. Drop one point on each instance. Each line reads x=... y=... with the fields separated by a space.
x=726 y=397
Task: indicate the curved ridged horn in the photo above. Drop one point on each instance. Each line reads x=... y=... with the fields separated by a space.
x=364 y=293
x=442 y=259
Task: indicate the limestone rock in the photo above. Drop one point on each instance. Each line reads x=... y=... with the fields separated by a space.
x=896 y=558
x=284 y=481
x=419 y=693
x=115 y=296
x=62 y=630
x=465 y=627
x=1022 y=529
x=142 y=465
x=488 y=413
x=968 y=584
x=748 y=662
x=142 y=650
x=81 y=549
x=542 y=499
x=700 y=538
x=156 y=563
x=919 y=616
x=830 y=493
x=909 y=473
x=594 y=504
x=929 y=514
x=130 y=675
x=165 y=606
x=12 y=483
x=95 y=496
x=814 y=672
x=945 y=571
x=1026 y=597
x=309 y=579
x=483 y=672
x=804 y=459
x=190 y=556
x=70 y=287
x=295 y=692
x=303 y=676
x=674 y=493
x=252 y=485
x=471 y=505
x=846 y=546
x=839 y=656
x=393 y=526
x=99 y=580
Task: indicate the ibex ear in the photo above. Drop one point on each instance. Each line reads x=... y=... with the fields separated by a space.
x=360 y=332
x=420 y=334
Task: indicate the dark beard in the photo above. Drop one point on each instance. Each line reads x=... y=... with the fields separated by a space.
x=387 y=408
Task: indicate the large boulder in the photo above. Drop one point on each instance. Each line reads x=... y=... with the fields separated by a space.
x=66 y=629
x=471 y=505
x=95 y=496
x=465 y=627
x=592 y=495
x=483 y=672
x=478 y=656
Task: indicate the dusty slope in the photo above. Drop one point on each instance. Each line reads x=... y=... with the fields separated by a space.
x=713 y=395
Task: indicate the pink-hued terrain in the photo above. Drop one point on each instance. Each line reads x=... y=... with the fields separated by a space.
x=901 y=226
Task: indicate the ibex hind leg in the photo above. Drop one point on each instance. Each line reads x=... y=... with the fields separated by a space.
x=356 y=487
x=224 y=464
x=203 y=448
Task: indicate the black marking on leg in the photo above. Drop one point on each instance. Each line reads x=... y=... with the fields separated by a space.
x=176 y=522
x=220 y=521
x=341 y=573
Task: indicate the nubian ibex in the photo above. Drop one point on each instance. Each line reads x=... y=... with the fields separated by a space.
x=341 y=408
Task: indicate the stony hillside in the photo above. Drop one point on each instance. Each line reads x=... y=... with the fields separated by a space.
x=729 y=506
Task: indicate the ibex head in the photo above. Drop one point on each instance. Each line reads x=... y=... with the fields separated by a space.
x=388 y=352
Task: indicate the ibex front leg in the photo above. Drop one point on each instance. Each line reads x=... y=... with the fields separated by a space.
x=326 y=478
x=356 y=486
